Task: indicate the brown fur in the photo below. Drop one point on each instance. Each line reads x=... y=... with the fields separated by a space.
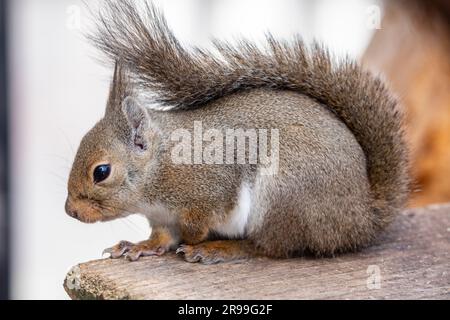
x=211 y=252
x=343 y=162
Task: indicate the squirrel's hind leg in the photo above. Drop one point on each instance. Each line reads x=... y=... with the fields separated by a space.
x=211 y=252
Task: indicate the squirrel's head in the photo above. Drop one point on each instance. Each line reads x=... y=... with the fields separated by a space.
x=113 y=161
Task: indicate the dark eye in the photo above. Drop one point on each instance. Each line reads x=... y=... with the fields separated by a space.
x=101 y=172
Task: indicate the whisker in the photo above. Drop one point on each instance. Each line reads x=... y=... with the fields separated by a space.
x=139 y=228
x=67 y=140
x=131 y=226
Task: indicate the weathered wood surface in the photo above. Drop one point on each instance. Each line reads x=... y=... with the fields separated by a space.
x=412 y=257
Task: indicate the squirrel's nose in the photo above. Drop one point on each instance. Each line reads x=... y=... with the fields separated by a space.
x=70 y=211
x=73 y=214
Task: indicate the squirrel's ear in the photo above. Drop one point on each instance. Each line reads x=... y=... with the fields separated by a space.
x=118 y=89
x=138 y=121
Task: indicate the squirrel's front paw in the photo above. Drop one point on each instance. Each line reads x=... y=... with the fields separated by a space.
x=134 y=251
x=119 y=249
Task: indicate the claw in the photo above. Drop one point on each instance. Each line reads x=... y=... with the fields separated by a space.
x=181 y=249
x=188 y=252
x=133 y=256
x=135 y=253
x=107 y=251
x=199 y=253
x=118 y=250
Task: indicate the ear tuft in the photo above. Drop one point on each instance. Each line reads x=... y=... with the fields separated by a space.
x=138 y=121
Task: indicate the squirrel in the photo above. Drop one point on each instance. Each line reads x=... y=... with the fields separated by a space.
x=342 y=162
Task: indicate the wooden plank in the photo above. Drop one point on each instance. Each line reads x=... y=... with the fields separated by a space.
x=412 y=258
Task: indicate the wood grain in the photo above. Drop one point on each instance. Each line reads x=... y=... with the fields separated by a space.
x=413 y=257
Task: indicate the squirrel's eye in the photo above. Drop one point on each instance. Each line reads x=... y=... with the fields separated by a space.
x=101 y=172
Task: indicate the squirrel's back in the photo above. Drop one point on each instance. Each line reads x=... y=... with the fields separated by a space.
x=173 y=78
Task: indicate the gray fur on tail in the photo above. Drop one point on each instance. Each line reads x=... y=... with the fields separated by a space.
x=181 y=78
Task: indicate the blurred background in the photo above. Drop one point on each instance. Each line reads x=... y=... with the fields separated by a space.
x=53 y=88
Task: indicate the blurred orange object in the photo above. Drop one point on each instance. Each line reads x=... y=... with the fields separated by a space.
x=412 y=50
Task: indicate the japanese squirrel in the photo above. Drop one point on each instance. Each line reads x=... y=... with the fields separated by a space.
x=341 y=169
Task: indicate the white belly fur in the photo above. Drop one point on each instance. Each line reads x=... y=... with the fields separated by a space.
x=158 y=215
x=237 y=221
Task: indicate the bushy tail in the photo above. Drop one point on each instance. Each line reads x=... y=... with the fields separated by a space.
x=181 y=78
